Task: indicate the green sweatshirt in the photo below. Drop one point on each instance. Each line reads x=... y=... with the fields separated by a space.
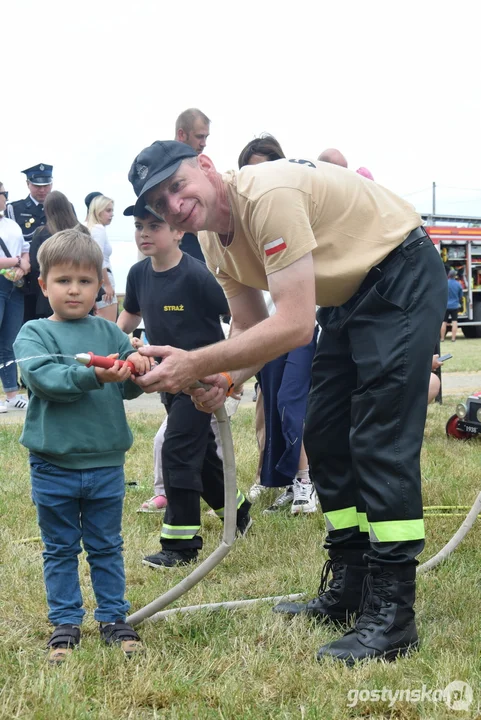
x=74 y=421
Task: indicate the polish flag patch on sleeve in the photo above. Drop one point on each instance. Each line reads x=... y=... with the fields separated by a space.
x=275 y=246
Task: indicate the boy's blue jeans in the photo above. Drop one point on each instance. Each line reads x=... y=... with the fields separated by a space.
x=74 y=505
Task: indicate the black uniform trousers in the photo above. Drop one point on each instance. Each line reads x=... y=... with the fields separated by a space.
x=29 y=216
x=191 y=469
x=367 y=404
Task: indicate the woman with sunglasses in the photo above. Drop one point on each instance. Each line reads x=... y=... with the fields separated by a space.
x=13 y=258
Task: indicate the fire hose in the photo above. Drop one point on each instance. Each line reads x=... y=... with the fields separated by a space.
x=457 y=538
x=230 y=522
x=154 y=609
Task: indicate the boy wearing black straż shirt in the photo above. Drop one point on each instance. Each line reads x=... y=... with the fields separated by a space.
x=180 y=302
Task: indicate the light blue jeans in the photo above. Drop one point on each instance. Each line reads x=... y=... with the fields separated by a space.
x=75 y=505
x=11 y=318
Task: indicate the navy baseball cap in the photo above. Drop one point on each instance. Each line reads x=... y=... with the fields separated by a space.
x=136 y=210
x=140 y=209
x=91 y=196
x=156 y=163
x=40 y=174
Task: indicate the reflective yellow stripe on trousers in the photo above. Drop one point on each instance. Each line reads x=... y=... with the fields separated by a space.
x=179 y=532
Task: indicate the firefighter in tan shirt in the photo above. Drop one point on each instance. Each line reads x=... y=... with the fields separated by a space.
x=317 y=233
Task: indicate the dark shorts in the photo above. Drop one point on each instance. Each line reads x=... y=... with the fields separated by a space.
x=451 y=314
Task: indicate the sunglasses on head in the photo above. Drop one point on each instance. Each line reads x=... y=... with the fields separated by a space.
x=4 y=192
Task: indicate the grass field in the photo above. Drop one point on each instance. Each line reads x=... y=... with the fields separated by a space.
x=466 y=354
x=249 y=664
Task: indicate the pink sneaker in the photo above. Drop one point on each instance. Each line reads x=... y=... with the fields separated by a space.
x=156 y=504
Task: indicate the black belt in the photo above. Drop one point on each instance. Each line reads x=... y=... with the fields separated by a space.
x=415 y=235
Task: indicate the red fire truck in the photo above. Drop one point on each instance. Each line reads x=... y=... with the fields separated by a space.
x=458 y=240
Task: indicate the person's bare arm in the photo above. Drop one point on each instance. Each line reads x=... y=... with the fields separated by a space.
x=12 y=262
x=25 y=262
x=8 y=262
x=293 y=292
x=247 y=310
x=107 y=286
x=128 y=322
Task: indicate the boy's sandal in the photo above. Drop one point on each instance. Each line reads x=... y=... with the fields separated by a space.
x=123 y=634
x=64 y=638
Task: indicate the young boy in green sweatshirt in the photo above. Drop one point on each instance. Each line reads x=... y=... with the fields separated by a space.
x=77 y=434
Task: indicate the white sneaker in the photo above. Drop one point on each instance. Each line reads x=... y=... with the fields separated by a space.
x=3 y=408
x=18 y=402
x=285 y=498
x=256 y=491
x=305 y=498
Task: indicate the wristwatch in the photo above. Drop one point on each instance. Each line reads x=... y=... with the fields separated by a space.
x=19 y=260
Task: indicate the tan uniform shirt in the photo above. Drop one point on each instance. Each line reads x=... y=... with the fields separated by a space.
x=285 y=209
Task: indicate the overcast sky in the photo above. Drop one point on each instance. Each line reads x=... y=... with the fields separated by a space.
x=394 y=85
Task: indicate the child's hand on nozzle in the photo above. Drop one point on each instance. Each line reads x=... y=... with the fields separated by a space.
x=136 y=342
x=116 y=373
x=142 y=363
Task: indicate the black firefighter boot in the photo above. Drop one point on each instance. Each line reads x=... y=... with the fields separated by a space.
x=386 y=627
x=339 y=598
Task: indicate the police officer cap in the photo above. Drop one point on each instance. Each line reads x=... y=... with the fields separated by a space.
x=156 y=163
x=40 y=174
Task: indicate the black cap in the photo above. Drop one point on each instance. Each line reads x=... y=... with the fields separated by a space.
x=140 y=209
x=40 y=174
x=156 y=163
x=90 y=197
